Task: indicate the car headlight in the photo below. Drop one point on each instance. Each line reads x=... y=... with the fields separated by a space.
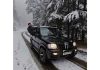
x=74 y=43
x=52 y=46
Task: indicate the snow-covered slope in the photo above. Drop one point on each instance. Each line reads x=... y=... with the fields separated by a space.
x=22 y=57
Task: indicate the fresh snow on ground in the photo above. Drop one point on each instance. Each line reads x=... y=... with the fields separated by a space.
x=63 y=64
x=82 y=56
x=22 y=57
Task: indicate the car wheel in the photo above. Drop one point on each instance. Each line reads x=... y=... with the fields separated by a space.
x=42 y=55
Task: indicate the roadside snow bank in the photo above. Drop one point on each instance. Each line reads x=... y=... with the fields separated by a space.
x=28 y=38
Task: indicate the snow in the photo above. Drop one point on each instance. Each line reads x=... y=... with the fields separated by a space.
x=81 y=6
x=82 y=49
x=55 y=15
x=73 y=15
x=50 y=4
x=26 y=37
x=50 y=19
x=83 y=13
x=22 y=58
x=63 y=64
x=82 y=56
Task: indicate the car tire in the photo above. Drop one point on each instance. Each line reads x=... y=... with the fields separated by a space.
x=42 y=55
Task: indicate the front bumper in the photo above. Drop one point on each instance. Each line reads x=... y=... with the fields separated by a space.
x=54 y=54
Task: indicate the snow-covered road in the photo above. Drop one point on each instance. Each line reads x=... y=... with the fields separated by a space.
x=26 y=60
x=22 y=58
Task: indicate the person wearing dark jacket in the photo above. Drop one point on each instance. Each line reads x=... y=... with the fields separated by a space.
x=30 y=29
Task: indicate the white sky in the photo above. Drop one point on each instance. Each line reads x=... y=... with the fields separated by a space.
x=20 y=8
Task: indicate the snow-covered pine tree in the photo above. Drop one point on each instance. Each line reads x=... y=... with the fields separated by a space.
x=38 y=9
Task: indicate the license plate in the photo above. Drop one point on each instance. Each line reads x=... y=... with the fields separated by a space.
x=65 y=53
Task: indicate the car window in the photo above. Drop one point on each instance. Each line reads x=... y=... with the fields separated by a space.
x=47 y=32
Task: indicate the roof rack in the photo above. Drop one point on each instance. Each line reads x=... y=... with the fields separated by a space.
x=45 y=26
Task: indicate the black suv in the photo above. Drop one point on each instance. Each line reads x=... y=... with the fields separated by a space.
x=50 y=43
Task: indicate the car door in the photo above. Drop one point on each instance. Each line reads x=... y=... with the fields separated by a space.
x=38 y=39
x=34 y=42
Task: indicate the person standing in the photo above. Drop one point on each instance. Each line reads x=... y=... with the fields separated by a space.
x=30 y=29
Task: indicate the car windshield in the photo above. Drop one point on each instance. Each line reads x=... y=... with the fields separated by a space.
x=48 y=31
